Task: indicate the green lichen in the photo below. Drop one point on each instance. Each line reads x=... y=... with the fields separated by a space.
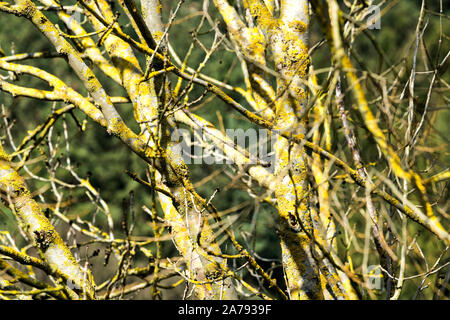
x=3 y=155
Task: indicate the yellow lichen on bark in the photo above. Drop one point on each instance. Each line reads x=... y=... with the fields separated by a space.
x=291 y=59
x=40 y=231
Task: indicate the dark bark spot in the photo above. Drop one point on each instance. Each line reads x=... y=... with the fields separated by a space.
x=43 y=239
